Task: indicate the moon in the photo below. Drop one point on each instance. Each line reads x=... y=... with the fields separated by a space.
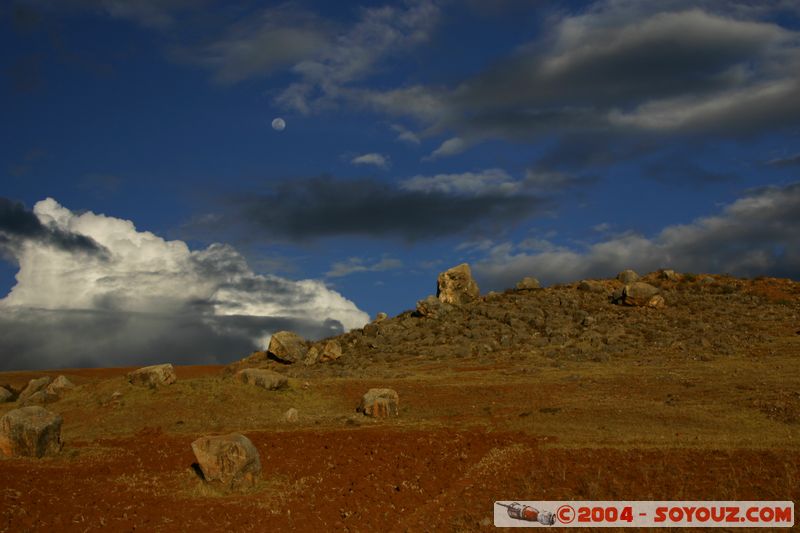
x=278 y=124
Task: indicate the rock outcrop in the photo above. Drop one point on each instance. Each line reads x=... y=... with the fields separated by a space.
x=260 y=377
x=379 y=403
x=30 y=432
x=287 y=347
x=432 y=307
x=456 y=286
x=153 y=376
x=230 y=461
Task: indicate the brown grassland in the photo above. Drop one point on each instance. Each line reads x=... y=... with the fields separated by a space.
x=655 y=421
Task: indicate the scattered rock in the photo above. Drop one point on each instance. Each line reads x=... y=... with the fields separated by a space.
x=34 y=386
x=30 y=432
x=228 y=460
x=669 y=275
x=379 y=403
x=5 y=395
x=291 y=416
x=628 y=276
x=260 y=377
x=331 y=351
x=528 y=283
x=591 y=285
x=59 y=386
x=287 y=347
x=153 y=376
x=380 y=317
x=656 y=302
x=706 y=280
x=456 y=286
x=638 y=293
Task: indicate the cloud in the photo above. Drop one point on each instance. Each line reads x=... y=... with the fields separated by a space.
x=785 y=161
x=20 y=227
x=405 y=135
x=452 y=146
x=377 y=160
x=356 y=264
x=313 y=208
x=148 y=299
x=158 y=14
x=353 y=54
x=491 y=181
x=620 y=71
x=272 y=38
x=755 y=235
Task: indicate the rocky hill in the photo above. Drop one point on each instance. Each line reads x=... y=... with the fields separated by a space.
x=662 y=314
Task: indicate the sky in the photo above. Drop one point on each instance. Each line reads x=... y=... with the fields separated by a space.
x=150 y=211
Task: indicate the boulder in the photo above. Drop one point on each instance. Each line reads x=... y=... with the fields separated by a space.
x=628 y=276
x=312 y=356
x=669 y=275
x=59 y=386
x=638 y=293
x=291 y=416
x=379 y=403
x=153 y=376
x=591 y=285
x=34 y=386
x=287 y=347
x=330 y=351
x=38 y=398
x=380 y=317
x=656 y=302
x=228 y=460
x=5 y=395
x=456 y=286
x=30 y=432
x=528 y=283
x=260 y=377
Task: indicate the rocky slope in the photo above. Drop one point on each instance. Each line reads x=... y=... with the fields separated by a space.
x=662 y=314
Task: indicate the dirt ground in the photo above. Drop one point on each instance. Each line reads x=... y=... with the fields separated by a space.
x=680 y=406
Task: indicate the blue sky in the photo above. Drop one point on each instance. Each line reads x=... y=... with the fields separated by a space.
x=559 y=140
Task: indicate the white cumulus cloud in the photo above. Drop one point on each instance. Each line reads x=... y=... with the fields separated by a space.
x=147 y=298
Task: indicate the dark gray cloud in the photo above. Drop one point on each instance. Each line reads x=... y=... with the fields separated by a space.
x=755 y=235
x=39 y=338
x=307 y=209
x=18 y=224
x=652 y=71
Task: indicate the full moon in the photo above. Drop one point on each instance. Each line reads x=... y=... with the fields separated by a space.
x=278 y=124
